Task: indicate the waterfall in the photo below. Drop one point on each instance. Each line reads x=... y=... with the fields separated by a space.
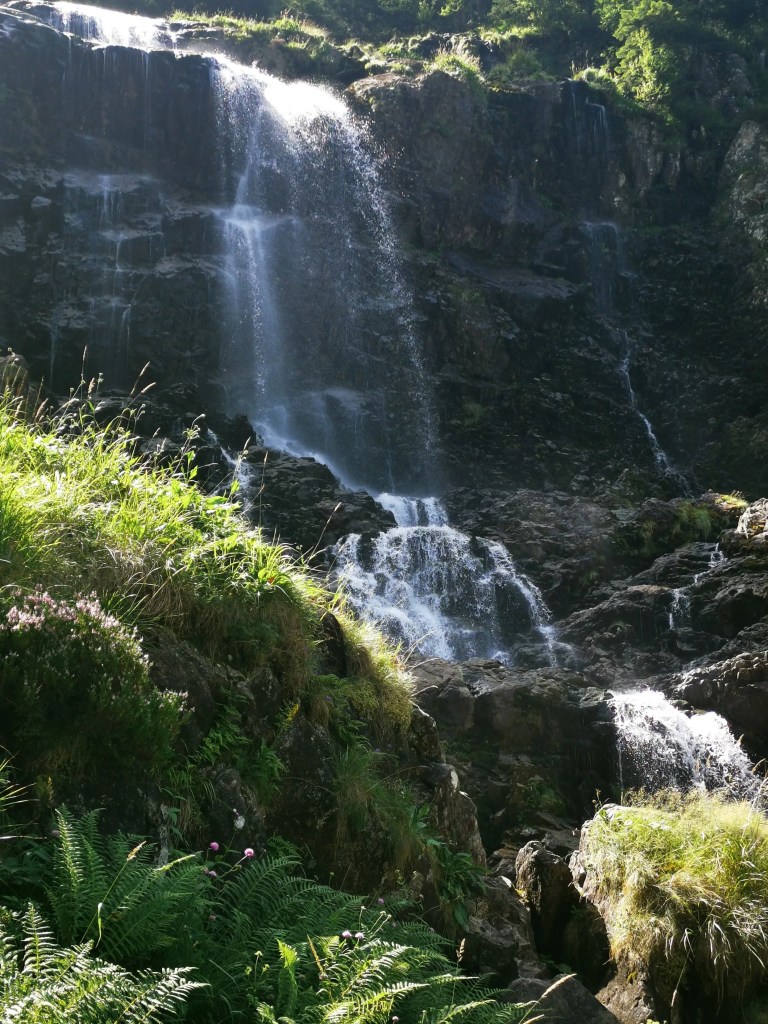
x=321 y=352
x=680 y=610
x=605 y=254
x=661 y=747
x=606 y=257
x=318 y=344
x=112 y=231
x=440 y=592
x=663 y=462
x=110 y=28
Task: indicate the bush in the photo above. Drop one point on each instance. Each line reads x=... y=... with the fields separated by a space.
x=67 y=662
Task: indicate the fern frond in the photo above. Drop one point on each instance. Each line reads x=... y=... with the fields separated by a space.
x=42 y=983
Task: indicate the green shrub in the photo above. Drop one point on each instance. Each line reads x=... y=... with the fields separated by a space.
x=521 y=64
x=67 y=662
x=686 y=878
x=458 y=65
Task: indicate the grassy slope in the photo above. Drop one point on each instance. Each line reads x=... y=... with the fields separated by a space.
x=82 y=515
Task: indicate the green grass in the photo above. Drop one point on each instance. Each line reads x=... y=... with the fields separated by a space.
x=462 y=66
x=686 y=878
x=81 y=513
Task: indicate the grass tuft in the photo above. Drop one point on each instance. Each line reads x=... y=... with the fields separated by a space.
x=686 y=878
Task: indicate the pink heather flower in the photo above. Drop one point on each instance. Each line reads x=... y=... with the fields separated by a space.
x=248 y=852
x=214 y=846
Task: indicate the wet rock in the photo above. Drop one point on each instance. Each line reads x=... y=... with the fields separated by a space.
x=526 y=742
x=737 y=689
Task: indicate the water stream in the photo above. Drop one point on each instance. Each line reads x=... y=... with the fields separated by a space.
x=662 y=747
x=441 y=592
x=606 y=267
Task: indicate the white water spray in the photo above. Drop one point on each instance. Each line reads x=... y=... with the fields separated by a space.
x=111 y=28
x=661 y=747
x=439 y=591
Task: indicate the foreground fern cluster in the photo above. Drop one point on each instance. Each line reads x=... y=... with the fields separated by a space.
x=133 y=941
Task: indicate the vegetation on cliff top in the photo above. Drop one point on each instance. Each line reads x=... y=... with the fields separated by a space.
x=654 y=54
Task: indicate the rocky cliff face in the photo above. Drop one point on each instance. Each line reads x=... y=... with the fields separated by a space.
x=579 y=279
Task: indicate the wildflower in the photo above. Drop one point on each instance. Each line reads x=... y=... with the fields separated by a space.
x=359 y=935
x=347 y=934
x=248 y=852
x=214 y=846
x=380 y=901
x=239 y=821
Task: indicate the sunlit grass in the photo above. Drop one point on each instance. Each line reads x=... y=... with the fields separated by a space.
x=687 y=881
x=81 y=512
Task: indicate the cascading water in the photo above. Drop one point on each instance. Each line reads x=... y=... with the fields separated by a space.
x=606 y=265
x=321 y=352
x=110 y=28
x=681 y=608
x=661 y=747
x=354 y=395
x=112 y=230
x=439 y=591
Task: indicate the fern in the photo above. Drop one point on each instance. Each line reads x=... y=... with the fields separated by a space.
x=42 y=983
x=109 y=892
x=274 y=945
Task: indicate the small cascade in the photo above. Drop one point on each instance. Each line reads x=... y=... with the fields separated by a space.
x=606 y=260
x=661 y=747
x=597 y=122
x=680 y=609
x=439 y=591
x=589 y=124
x=112 y=232
x=606 y=265
x=663 y=462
